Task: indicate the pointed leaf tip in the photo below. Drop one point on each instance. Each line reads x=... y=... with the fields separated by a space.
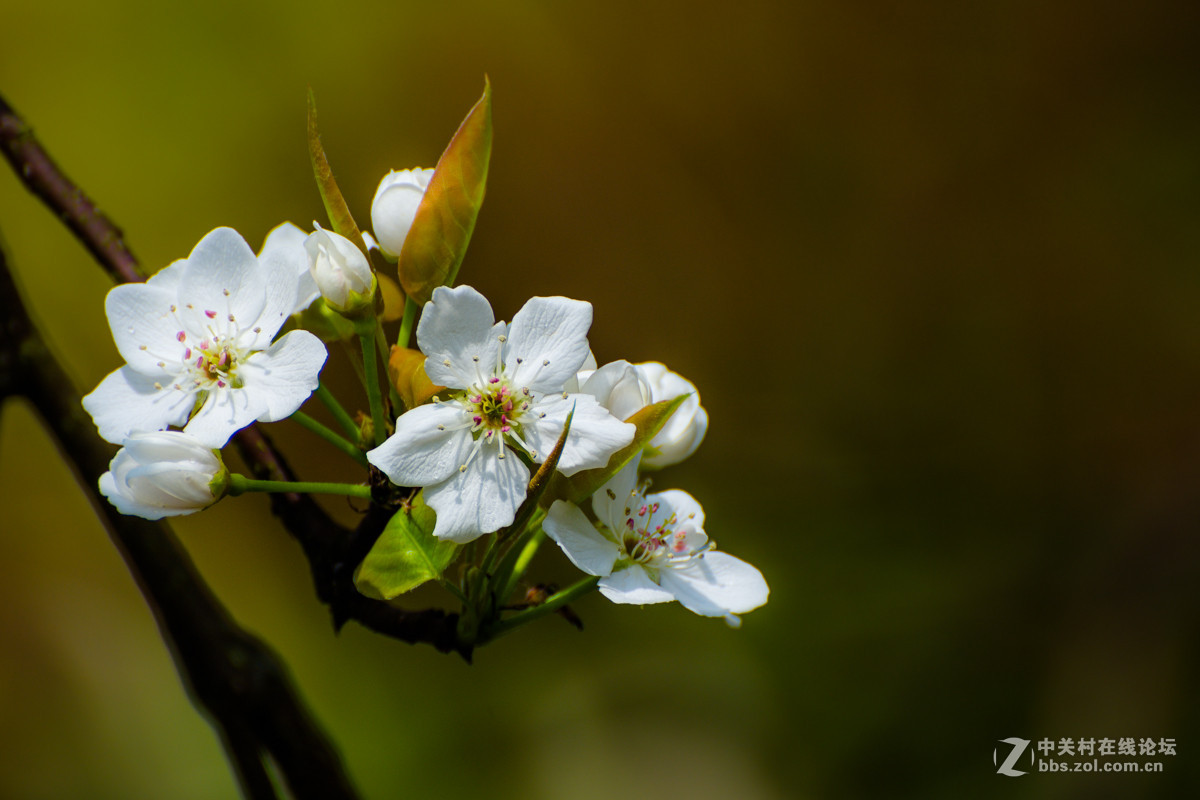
x=445 y=220
x=331 y=196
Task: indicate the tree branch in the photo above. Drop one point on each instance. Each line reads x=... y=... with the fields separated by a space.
x=233 y=676
x=332 y=551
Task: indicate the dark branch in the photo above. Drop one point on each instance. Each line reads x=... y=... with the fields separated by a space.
x=42 y=176
x=332 y=551
x=235 y=677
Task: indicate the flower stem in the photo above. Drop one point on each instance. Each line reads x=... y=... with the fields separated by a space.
x=511 y=569
x=552 y=604
x=406 y=324
x=339 y=413
x=240 y=484
x=371 y=368
x=341 y=443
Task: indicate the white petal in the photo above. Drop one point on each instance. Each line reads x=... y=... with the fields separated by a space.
x=418 y=453
x=595 y=434
x=549 y=336
x=290 y=287
x=633 y=585
x=140 y=316
x=457 y=327
x=223 y=279
x=129 y=506
x=481 y=500
x=171 y=446
x=618 y=387
x=716 y=585
x=127 y=401
x=587 y=548
x=610 y=500
x=168 y=277
x=286 y=374
x=680 y=503
x=224 y=413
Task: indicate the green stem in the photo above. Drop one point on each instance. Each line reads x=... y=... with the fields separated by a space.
x=381 y=343
x=511 y=569
x=339 y=413
x=552 y=604
x=340 y=442
x=240 y=484
x=406 y=324
x=371 y=370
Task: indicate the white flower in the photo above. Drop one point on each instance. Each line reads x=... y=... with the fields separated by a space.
x=395 y=205
x=510 y=381
x=163 y=474
x=196 y=337
x=340 y=269
x=283 y=253
x=653 y=549
x=625 y=389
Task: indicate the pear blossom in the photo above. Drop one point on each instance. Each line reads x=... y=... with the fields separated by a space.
x=624 y=389
x=652 y=548
x=283 y=254
x=163 y=474
x=395 y=206
x=196 y=338
x=340 y=270
x=508 y=398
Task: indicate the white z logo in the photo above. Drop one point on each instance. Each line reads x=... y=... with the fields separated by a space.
x=1018 y=747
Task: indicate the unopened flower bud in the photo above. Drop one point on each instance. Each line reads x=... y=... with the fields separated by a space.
x=395 y=205
x=340 y=269
x=164 y=474
x=684 y=431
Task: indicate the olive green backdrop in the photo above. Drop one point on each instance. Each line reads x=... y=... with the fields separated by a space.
x=935 y=269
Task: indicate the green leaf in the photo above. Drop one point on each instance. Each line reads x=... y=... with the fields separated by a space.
x=582 y=485
x=335 y=205
x=442 y=227
x=405 y=555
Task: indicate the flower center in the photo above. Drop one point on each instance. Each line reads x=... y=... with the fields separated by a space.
x=212 y=363
x=494 y=406
x=656 y=542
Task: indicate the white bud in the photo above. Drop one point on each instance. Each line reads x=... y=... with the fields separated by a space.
x=684 y=431
x=163 y=474
x=395 y=205
x=339 y=267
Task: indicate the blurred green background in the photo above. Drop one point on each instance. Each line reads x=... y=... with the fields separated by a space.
x=932 y=266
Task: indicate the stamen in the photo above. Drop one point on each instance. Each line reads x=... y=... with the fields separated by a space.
x=210 y=314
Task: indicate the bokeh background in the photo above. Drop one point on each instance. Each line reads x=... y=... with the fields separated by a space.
x=934 y=268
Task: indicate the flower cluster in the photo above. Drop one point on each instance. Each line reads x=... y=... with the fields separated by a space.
x=500 y=429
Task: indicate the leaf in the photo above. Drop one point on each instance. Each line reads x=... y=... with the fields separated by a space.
x=442 y=227
x=393 y=298
x=405 y=555
x=406 y=369
x=582 y=485
x=335 y=205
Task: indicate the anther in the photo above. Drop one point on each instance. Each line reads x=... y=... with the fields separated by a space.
x=519 y=360
x=546 y=363
x=210 y=314
x=225 y=292
x=157 y=385
x=179 y=337
x=445 y=362
x=258 y=330
x=463 y=468
x=141 y=347
x=441 y=427
x=173 y=308
x=231 y=319
x=475 y=359
x=502 y=338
